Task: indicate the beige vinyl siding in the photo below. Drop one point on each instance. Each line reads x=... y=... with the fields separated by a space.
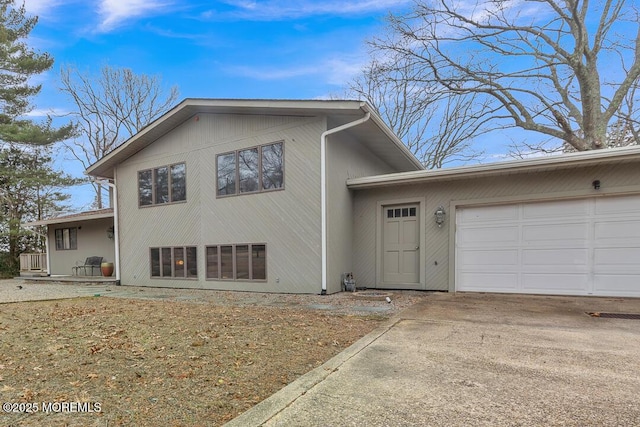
x=346 y=158
x=438 y=250
x=92 y=241
x=287 y=221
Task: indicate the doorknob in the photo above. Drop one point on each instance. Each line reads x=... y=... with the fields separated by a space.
x=417 y=247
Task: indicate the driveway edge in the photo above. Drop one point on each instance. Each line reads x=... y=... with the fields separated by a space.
x=270 y=407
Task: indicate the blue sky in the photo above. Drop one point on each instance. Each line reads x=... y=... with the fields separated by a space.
x=233 y=49
x=218 y=49
x=302 y=49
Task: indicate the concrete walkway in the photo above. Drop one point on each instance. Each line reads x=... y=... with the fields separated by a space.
x=344 y=303
x=20 y=290
x=476 y=359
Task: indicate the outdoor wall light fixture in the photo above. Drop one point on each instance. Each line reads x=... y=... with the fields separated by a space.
x=440 y=214
x=110 y=233
x=596 y=184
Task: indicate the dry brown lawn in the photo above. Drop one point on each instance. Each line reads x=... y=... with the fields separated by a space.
x=159 y=363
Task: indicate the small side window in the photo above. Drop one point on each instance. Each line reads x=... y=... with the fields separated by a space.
x=179 y=182
x=272 y=166
x=242 y=262
x=212 y=262
x=226 y=262
x=155 y=262
x=145 y=188
x=226 y=174
x=192 y=261
x=248 y=170
x=259 y=262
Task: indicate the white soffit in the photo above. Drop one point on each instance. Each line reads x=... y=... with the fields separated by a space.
x=79 y=217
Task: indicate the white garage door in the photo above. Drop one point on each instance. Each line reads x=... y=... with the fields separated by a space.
x=570 y=247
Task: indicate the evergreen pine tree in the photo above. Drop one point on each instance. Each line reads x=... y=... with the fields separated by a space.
x=33 y=191
x=18 y=63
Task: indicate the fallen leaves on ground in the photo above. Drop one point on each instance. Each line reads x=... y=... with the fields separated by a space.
x=156 y=362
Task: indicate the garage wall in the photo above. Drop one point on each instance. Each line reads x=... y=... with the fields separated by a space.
x=438 y=250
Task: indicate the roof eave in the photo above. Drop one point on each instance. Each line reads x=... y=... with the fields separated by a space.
x=392 y=136
x=190 y=106
x=97 y=169
x=65 y=220
x=581 y=159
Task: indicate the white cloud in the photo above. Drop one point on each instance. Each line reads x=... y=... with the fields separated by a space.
x=272 y=73
x=54 y=112
x=115 y=12
x=341 y=70
x=272 y=10
x=41 y=7
x=334 y=71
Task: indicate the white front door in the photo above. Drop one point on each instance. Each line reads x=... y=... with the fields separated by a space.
x=401 y=247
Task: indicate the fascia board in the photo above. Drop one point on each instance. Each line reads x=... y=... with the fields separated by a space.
x=513 y=166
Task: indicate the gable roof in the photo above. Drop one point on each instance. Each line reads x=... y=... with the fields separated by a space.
x=536 y=164
x=378 y=137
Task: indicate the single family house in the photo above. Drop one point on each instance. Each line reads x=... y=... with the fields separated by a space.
x=289 y=196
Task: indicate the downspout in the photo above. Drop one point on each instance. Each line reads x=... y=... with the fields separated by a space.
x=323 y=190
x=46 y=245
x=116 y=233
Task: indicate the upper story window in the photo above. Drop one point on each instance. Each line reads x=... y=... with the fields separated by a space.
x=251 y=170
x=166 y=184
x=66 y=238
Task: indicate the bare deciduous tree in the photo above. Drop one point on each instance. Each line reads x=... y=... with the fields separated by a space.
x=625 y=130
x=566 y=69
x=110 y=108
x=435 y=126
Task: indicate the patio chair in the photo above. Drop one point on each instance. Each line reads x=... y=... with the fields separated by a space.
x=90 y=265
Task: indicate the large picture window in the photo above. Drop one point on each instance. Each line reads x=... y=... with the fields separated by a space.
x=237 y=262
x=177 y=262
x=251 y=170
x=66 y=239
x=165 y=184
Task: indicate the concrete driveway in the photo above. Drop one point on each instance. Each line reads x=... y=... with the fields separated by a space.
x=476 y=360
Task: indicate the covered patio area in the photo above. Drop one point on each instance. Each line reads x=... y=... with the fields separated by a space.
x=76 y=247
